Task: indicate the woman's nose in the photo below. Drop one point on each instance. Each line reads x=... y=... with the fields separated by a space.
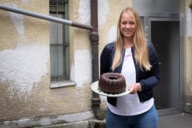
x=127 y=25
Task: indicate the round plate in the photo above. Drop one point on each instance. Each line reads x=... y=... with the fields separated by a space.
x=95 y=88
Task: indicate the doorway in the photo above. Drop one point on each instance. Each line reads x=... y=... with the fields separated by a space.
x=164 y=33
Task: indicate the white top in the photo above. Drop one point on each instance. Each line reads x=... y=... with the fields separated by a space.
x=129 y=104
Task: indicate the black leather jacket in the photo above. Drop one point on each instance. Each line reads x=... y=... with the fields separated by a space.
x=147 y=79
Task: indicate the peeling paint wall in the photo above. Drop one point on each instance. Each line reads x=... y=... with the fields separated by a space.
x=25 y=60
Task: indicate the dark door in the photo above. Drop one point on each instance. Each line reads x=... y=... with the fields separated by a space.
x=165 y=35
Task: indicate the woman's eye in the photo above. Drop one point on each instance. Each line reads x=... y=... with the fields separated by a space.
x=124 y=23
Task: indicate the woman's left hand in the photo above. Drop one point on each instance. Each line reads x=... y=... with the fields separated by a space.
x=134 y=88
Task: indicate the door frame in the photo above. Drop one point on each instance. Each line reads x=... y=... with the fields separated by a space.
x=147 y=30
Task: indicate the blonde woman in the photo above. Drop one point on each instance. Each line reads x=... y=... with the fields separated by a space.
x=136 y=59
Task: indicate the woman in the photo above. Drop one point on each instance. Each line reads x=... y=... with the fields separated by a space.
x=136 y=59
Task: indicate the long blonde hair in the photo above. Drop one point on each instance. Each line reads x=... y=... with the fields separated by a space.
x=140 y=43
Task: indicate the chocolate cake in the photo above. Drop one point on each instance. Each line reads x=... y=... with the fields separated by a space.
x=112 y=83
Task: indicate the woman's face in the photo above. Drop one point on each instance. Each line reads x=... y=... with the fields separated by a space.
x=127 y=25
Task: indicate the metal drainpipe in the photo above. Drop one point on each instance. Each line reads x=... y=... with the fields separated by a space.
x=94 y=37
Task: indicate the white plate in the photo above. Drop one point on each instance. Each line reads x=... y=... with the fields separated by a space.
x=95 y=88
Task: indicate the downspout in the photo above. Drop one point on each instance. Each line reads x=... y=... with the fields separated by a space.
x=94 y=37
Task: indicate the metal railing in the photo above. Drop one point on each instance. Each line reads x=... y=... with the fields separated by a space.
x=45 y=17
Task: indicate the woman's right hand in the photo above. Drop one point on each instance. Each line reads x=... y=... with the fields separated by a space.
x=134 y=88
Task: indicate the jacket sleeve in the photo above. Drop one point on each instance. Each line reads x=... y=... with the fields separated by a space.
x=153 y=74
x=105 y=65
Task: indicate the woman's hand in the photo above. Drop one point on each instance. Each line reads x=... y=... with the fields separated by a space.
x=134 y=88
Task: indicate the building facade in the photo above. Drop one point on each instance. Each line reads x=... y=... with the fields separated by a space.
x=31 y=96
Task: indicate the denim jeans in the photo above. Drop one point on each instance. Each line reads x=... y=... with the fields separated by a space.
x=148 y=119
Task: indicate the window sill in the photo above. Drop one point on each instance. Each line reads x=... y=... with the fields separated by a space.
x=60 y=84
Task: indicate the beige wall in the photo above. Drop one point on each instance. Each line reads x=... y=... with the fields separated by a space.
x=24 y=59
x=188 y=53
x=25 y=78
x=25 y=88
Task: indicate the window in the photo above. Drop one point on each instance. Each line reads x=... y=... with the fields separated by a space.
x=59 y=41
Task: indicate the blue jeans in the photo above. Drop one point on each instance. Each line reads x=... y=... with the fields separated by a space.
x=148 y=119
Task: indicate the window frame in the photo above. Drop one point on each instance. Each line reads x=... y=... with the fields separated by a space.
x=66 y=63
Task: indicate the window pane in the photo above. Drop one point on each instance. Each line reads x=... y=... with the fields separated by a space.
x=59 y=41
x=56 y=29
x=60 y=60
x=54 y=60
x=53 y=33
x=60 y=34
x=57 y=54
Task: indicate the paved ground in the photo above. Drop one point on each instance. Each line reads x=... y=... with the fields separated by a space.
x=182 y=120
